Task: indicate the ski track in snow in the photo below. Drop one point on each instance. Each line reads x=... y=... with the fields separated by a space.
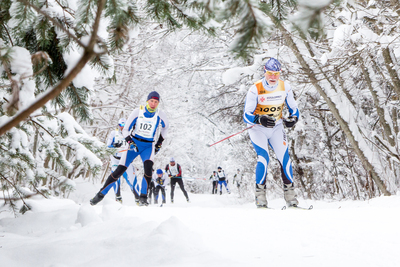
x=212 y=230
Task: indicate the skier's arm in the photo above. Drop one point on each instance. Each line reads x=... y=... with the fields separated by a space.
x=291 y=102
x=110 y=139
x=179 y=171
x=130 y=123
x=250 y=105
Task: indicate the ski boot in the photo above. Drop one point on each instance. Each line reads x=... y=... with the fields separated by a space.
x=261 y=196
x=188 y=201
x=290 y=195
x=143 y=201
x=118 y=199
x=97 y=198
x=220 y=192
x=172 y=201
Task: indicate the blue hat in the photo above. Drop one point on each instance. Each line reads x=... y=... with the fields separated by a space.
x=159 y=171
x=272 y=64
x=153 y=95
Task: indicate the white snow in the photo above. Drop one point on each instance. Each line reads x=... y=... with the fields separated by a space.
x=212 y=230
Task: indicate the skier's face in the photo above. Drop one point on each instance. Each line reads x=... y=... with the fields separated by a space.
x=172 y=163
x=153 y=103
x=272 y=77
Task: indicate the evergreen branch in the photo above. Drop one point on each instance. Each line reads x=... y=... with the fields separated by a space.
x=51 y=94
x=21 y=197
x=41 y=126
x=55 y=22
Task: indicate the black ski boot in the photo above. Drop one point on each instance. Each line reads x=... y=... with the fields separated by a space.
x=97 y=198
x=143 y=201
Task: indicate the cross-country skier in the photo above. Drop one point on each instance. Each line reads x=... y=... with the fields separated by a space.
x=214 y=179
x=144 y=131
x=160 y=183
x=263 y=107
x=116 y=140
x=174 y=172
x=237 y=178
x=222 y=180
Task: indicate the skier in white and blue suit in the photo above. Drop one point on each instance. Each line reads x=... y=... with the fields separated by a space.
x=263 y=108
x=144 y=132
x=117 y=140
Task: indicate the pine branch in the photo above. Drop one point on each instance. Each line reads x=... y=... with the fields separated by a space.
x=51 y=94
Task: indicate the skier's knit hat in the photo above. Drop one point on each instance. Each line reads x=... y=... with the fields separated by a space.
x=272 y=64
x=153 y=95
x=159 y=171
x=172 y=160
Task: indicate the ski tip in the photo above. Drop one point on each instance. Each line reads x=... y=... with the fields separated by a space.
x=311 y=207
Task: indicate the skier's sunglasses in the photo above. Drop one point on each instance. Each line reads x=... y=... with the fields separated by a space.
x=121 y=124
x=269 y=72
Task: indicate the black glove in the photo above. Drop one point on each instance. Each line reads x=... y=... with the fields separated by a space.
x=267 y=121
x=157 y=148
x=158 y=144
x=131 y=143
x=128 y=139
x=290 y=121
x=119 y=144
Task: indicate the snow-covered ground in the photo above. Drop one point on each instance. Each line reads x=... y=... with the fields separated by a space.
x=212 y=230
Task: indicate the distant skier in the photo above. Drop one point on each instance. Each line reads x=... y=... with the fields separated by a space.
x=214 y=179
x=237 y=178
x=222 y=180
x=140 y=132
x=116 y=140
x=174 y=171
x=160 y=183
x=263 y=108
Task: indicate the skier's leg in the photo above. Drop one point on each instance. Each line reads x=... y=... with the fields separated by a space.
x=279 y=144
x=173 y=181
x=182 y=186
x=163 y=194
x=156 y=192
x=259 y=139
x=126 y=158
x=226 y=186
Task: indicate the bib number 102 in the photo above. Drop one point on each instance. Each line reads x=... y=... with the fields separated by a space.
x=145 y=126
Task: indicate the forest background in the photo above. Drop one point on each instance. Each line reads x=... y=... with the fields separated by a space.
x=70 y=69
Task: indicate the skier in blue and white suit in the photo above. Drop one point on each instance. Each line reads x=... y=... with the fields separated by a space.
x=117 y=140
x=263 y=108
x=144 y=132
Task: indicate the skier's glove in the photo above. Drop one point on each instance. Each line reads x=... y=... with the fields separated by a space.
x=290 y=121
x=267 y=121
x=157 y=148
x=119 y=144
x=158 y=144
x=131 y=143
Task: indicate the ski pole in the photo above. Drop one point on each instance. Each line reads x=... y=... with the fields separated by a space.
x=231 y=136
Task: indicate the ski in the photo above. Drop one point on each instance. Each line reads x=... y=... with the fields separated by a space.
x=298 y=208
x=265 y=208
